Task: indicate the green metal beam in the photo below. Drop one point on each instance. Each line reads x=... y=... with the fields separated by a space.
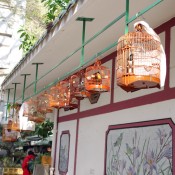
x=24 y=86
x=8 y=97
x=83 y=36
x=87 y=42
x=14 y=96
x=84 y=43
x=127 y=17
x=76 y=69
x=36 y=76
x=144 y=11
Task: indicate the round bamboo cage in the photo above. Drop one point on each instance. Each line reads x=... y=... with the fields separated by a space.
x=97 y=78
x=54 y=97
x=138 y=61
x=78 y=87
x=44 y=104
x=9 y=124
x=30 y=107
x=8 y=135
x=67 y=99
x=15 y=121
x=15 y=125
x=32 y=113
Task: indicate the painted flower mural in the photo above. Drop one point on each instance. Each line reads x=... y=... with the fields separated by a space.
x=139 y=151
x=64 y=152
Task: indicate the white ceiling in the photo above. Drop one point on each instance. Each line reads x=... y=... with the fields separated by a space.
x=66 y=38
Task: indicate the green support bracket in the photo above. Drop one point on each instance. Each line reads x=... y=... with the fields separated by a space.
x=83 y=36
x=84 y=43
x=14 y=97
x=24 y=86
x=127 y=17
x=36 y=76
x=8 y=96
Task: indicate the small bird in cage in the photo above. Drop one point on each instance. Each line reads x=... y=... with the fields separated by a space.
x=142 y=26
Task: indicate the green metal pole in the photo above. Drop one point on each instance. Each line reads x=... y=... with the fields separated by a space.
x=83 y=36
x=14 y=97
x=127 y=17
x=83 y=39
x=8 y=96
x=36 y=76
x=24 y=86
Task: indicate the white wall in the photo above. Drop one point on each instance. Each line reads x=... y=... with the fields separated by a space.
x=92 y=131
x=172 y=58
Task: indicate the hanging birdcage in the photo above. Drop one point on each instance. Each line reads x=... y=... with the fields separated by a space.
x=44 y=104
x=138 y=61
x=30 y=110
x=97 y=78
x=15 y=126
x=15 y=121
x=67 y=99
x=25 y=124
x=53 y=97
x=30 y=107
x=78 y=87
x=8 y=135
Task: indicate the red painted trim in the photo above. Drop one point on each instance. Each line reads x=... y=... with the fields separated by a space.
x=76 y=147
x=56 y=139
x=113 y=78
x=64 y=133
x=165 y=26
x=109 y=57
x=143 y=124
x=78 y=110
x=139 y=101
x=167 y=51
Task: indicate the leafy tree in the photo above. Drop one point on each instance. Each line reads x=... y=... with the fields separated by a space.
x=39 y=16
x=28 y=40
x=54 y=7
x=34 y=24
x=44 y=129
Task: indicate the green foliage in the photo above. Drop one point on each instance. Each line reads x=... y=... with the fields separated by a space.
x=27 y=39
x=8 y=162
x=34 y=25
x=44 y=129
x=54 y=8
x=39 y=14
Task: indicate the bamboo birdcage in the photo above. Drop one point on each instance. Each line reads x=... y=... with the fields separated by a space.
x=67 y=99
x=30 y=110
x=8 y=135
x=25 y=124
x=16 y=121
x=44 y=104
x=78 y=87
x=53 y=97
x=97 y=78
x=138 y=61
x=30 y=107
